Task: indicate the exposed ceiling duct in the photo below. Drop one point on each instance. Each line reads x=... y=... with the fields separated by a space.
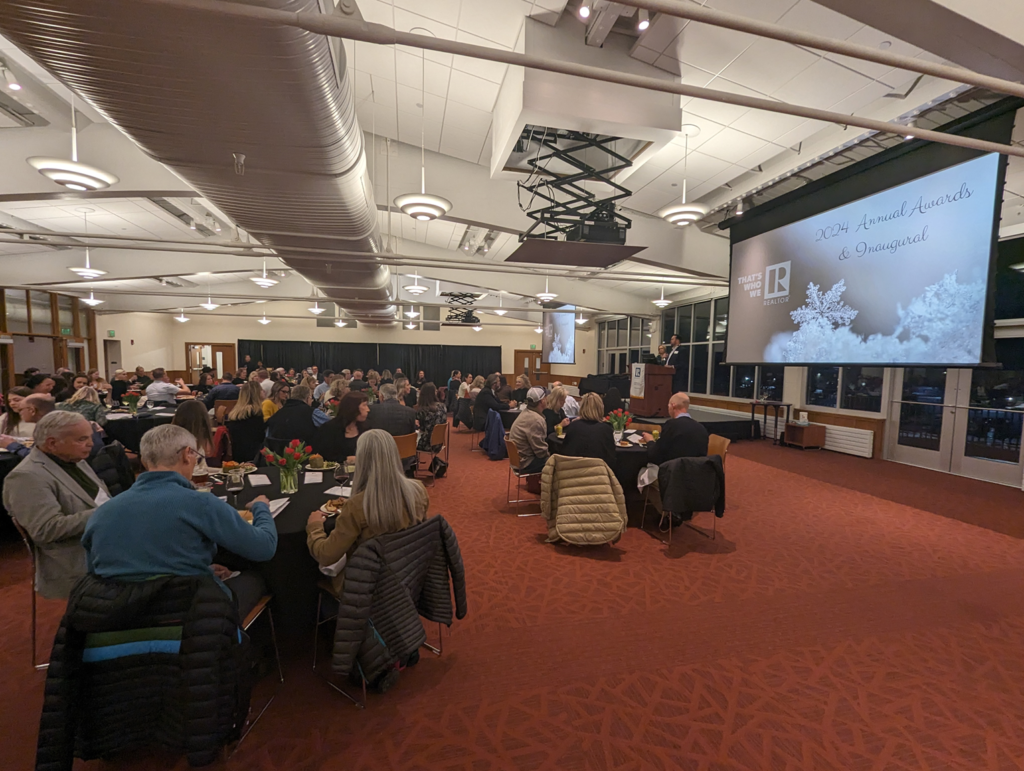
x=257 y=117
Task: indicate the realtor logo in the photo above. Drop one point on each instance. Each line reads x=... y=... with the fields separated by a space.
x=777 y=280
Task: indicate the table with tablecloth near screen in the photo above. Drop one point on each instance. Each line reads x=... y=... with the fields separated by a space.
x=628 y=462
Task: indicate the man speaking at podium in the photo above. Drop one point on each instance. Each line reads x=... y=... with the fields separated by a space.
x=676 y=358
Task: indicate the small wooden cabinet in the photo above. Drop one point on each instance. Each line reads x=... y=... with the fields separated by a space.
x=811 y=435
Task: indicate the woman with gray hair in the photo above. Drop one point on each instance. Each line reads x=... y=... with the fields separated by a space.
x=383 y=501
x=164 y=526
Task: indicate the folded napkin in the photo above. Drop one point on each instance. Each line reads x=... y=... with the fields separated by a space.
x=337 y=490
x=277 y=506
x=337 y=567
x=314 y=478
x=119 y=416
x=634 y=438
x=258 y=480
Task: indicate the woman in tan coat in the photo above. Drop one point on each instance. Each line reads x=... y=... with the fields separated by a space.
x=383 y=501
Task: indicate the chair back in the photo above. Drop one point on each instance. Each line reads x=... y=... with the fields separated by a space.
x=275 y=445
x=221 y=408
x=650 y=428
x=406 y=445
x=513 y=454
x=718 y=445
x=439 y=435
x=27 y=540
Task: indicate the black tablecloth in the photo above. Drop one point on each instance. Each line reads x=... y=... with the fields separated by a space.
x=628 y=462
x=508 y=418
x=292 y=574
x=129 y=431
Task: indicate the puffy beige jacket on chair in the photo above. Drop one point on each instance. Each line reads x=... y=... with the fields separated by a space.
x=582 y=501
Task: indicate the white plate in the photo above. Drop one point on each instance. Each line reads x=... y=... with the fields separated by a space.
x=329 y=465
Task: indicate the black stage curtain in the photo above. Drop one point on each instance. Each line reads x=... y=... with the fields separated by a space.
x=437 y=361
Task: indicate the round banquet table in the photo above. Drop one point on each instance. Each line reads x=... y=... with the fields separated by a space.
x=628 y=462
x=129 y=430
x=291 y=574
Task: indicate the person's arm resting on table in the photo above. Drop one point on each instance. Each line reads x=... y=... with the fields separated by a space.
x=222 y=524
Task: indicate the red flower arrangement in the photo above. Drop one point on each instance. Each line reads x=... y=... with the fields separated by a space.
x=620 y=419
x=289 y=461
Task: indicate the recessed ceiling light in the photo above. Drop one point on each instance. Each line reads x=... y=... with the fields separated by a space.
x=12 y=82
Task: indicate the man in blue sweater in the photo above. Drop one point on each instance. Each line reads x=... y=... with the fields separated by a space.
x=163 y=526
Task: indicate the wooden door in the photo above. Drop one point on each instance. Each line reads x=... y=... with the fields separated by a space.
x=224 y=352
x=529 y=363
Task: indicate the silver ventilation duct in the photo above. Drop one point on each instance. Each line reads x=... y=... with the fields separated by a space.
x=259 y=118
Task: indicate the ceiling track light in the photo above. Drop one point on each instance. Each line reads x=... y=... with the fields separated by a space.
x=182 y=318
x=584 y=10
x=9 y=79
x=662 y=302
x=644 y=20
x=683 y=213
x=423 y=206
x=911 y=124
x=264 y=320
x=546 y=296
x=91 y=300
x=73 y=175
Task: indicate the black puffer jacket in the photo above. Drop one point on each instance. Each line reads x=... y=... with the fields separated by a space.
x=692 y=484
x=390 y=581
x=192 y=701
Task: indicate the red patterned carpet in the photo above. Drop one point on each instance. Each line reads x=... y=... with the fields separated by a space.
x=844 y=619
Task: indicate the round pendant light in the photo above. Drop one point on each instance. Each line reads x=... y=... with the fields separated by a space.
x=662 y=302
x=88 y=272
x=264 y=282
x=546 y=296
x=73 y=175
x=581 y=320
x=477 y=329
x=415 y=288
x=264 y=320
x=182 y=318
x=410 y=325
x=316 y=310
x=683 y=213
x=341 y=323
x=90 y=300
x=539 y=330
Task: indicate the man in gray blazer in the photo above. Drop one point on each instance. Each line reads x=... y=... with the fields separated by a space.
x=51 y=494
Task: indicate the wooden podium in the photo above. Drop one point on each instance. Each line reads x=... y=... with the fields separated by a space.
x=657 y=392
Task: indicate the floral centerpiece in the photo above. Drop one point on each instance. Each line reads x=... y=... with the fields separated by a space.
x=131 y=401
x=331 y=407
x=289 y=461
x=620 y=420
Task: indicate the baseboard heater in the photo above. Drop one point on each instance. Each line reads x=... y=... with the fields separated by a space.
x=852 y=441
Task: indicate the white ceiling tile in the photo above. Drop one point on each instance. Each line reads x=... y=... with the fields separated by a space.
x=498 y=21
x=375 y=59
x=410 y=99
x=487 y=149
x=473 y=91
x=769 y=64
x=467 y=118
x=409 y=126
x=767 y=125
x=708 y=129
x=445 y=11
x=811 y=17
x=720 y=112
x=862 y=98
x=699 y=167
x=383 y=122
x=762 y=155
x=762 y=10
x=461 y=144
x=662 y=32
x=645 y=55
x=382 y=92
x=716 y=182
x=731 y=145
x=492 y=71
x=650 y=200
x=821 y=85
x=410 y=73
x=709 y=48
x=668 y=64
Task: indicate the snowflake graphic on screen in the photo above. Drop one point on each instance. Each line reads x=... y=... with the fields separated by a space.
x=825 y=307
x=939 y=325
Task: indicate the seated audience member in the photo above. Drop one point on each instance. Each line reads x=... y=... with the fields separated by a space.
x=336 y=439
x=357 y=383
x=571 y=406
x=52 y=494
x=613 y=401
x=321 y=389
x=523 y=385
x=454 y=381
x=347 y=374
x=140 y=378
x=383 y=501
x=504 y=390
x=429 y=412
x=290 y=375
x=120 y=385
x=245 y=423
x=529 y=433
x=30 y=372
x=162 y=391
x=386 y=378
x=33 y=408
x=476 y=386
x=78 y=382
x=681 y=436
x=222 y=392
x=590 y=436
x=421 y=380
x=11 y=423
x=205 y=383
x=263 y=378
x=86 y=402
x=487 y=400
x=241 y=377
x=61 y=388
x=278 y=396
x=295 y=419
x=407 y=395
x=163 y=526
x=315 y=372
x=464 y=386
x=391 y=415
x=337 y=389
x=40 y=383
x=553 y=412
x=195 y=418
x=103 y=389
x=373 y=381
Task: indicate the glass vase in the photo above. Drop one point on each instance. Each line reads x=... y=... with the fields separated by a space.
x=289 y=480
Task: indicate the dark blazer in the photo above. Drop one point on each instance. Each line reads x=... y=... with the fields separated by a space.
x=330 y=441
x=293 y=421
x=225 y=391
x=486 y=400
x=392 y=416
x=246 y=437
x=681 y=437
x=590 y=439
x=358 y=385
x=679 y=360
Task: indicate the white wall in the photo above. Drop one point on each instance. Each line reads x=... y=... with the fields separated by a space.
x=156 y=340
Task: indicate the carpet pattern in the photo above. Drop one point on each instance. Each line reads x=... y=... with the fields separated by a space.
x=843 y=619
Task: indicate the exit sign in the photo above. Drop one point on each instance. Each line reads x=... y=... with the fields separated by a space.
x=111 y=333
x=533 y=346
x=66 y=330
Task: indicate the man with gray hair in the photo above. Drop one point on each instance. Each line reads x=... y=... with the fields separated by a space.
x=390 y=414
x=52 y=494
x=164 y=526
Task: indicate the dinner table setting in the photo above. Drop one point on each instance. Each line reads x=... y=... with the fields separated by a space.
x=630 y=456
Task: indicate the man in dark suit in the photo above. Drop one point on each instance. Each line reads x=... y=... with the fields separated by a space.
x=681 y=436
x=390 y=414
x=295 y=418
x=678 y=358
x=357 y=383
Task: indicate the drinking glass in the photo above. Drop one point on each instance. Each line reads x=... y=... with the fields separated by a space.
x=235 y=485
